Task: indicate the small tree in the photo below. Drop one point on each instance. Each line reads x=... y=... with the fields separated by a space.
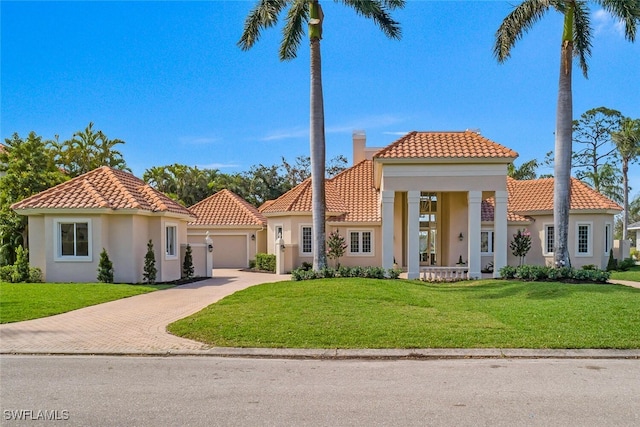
x=21 y=267
x=187 y=265
x=521 y=244
x=150 y=270
x=105 y=268
x=336 y=247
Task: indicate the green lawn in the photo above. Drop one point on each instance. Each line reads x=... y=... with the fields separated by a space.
x=24 y=301
x=369 y=313
x=633 y=274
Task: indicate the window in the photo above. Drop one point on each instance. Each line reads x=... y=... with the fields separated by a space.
x=171 y=240
x=486 y=242
x=607 y=238
x=73 y=240
x=306 y=240
x=279 y=234
x=583 y=239
x=548 y=239
x=360 y=243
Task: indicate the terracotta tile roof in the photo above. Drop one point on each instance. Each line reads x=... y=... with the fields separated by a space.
x=226 y=208
x=103 y=188
x=442 y=145
x=488 y=206
x=537 y=195
x=355 y=186
x=298 y=199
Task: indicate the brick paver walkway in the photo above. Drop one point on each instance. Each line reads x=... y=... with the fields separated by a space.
x=135 y=324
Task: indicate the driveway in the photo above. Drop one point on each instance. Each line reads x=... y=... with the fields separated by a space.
x=135 y=324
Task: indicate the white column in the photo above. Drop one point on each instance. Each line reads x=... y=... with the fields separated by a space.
x=413 y=240
x=209 y=251
x=475 y=218
x=500 y=234
x=388 y=198
x=279 y=255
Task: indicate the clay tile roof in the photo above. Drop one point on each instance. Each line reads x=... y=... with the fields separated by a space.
x=298 y=199
x=537 y=195
x=444 y=145
x=103 y=188
x=351 y=193
x=226 y=208
x=488 y=206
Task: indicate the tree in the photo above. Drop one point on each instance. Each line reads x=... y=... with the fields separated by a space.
x=527 y=170
x=265 y=15
x=105 y=268
x=88 y=150
x=336 y=246
x=185 y=184
x=577 y=33
x=627 y=142
x=521 y=244
x=187 y=265
x=29 y=169
x=592 y=133
x=150 y=270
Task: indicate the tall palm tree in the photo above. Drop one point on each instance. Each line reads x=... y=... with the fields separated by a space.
x=576 y=41
x=627 y=142
x=264 y=15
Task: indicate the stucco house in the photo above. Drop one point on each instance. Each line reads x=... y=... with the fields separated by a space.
x=227 y=232
x=71 y=223
x=431 y=198
x=636 y=227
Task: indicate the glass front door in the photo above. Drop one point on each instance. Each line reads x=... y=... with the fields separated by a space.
x=429 y=229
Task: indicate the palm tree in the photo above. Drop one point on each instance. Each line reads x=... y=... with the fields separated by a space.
x=627 y=142
x=577 y=34
x=264 y=15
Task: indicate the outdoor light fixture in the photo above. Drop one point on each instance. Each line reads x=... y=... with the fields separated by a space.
x=210 y=247
x=460 y=237
x=253 y=237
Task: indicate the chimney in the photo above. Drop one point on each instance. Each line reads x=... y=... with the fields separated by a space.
x=359 y=144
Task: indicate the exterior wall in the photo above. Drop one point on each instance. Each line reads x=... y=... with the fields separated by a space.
x=38 y=244
x=362 y=260
x=444 y=177
x=455 y=216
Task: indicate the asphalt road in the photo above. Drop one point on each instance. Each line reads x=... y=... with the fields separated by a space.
x=204 y=391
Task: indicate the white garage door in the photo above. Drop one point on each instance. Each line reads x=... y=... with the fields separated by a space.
x=230 y=252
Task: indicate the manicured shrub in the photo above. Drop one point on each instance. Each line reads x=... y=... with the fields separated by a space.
x=35 y=275
x=150 y=271
x=266 y=262
x=105 y=268
x=344 y=271
x=21 y=267
x=393 y=273
x=613 y=263
x=508 y=272
x=327 y=273
x=307 y=266
x=589 y=267
x=542 y=273
x=252 y=264
x=6 y=273
x=187 y=265
x=626 y=264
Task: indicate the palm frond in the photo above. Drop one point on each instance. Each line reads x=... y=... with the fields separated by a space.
x=627 y=11
x=294 y=29
x=378 y=11
x=582 y=35
x=517 y=23
x=263 y=15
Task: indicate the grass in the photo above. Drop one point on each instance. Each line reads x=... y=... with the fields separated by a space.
x=25 y=301
x=369 y=313
x=633 y=274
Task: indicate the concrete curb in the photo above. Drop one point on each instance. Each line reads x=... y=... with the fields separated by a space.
x=356 y=354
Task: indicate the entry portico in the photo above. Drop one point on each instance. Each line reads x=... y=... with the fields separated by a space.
x=432 y=186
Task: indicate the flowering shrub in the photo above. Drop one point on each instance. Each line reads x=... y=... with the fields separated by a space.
x=336 y=247
x=521 y=244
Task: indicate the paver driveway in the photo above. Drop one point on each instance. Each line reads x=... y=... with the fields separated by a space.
x=135 y=324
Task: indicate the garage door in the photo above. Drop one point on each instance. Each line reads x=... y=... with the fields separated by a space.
x=230 y=251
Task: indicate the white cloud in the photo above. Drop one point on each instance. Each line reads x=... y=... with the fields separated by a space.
x=604 y=23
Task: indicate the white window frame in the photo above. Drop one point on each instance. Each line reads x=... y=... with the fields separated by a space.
x=302 y=251
x=176 y=247
x=490 y=239
x=57 y=241
x=275 y=231
x=545 y=239
x=589 y=252
x=360 y=253
x=608 y=237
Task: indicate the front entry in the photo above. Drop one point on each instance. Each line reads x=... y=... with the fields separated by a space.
x=428 y=229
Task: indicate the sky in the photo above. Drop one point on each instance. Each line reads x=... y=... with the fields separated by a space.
x=169 y=79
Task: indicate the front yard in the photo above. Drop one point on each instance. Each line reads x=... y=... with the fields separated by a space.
x=25 y=301
x=370 y=313
x=633 y=274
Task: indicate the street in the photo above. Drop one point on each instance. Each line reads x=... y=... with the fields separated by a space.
x=198 y=391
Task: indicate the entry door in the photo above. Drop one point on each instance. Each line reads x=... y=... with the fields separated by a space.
x=428 y=228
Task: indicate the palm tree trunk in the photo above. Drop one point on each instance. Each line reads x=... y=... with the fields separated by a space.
x=625 y=201
x=317 y=148
x=563 y=149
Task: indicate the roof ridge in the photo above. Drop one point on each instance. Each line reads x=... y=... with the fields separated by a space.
x=252 y=210
x=152 y=198
x=93 y=191
x=111 y=175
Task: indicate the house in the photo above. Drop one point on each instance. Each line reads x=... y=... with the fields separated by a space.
x=71 y=223
x=227 y=232
x=636 y=227
x=432 y=198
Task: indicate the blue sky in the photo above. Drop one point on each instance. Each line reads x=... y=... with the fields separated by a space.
x=169 y=79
